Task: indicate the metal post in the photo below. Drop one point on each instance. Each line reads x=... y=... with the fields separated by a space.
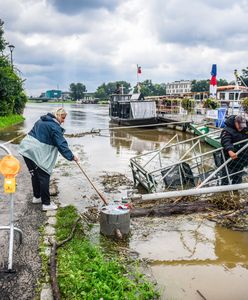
x=11 y=233
x=191 y=192
x=11 y=227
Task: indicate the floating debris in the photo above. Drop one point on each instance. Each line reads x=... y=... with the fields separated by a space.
x=112 y=182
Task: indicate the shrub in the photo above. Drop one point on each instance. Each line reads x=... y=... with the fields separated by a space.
x=188 y=104
x=244 y=104
x=211 y=103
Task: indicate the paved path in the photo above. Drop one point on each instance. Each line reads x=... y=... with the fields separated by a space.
x=27 y=263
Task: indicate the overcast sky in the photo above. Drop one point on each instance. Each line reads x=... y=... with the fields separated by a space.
x=94 y=41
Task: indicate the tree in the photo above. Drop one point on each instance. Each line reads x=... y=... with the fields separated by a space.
x=222 y=82
x=150 y=89
x=2 y=41
x=200 y=85
x=245 y=75
x=101 y=92
x=77 y=90
x=12 y=96
x=107 y=89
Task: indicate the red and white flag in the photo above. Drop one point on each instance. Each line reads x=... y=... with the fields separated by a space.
x=213 y=82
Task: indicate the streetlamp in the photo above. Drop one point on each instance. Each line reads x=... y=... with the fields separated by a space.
x=11 y=48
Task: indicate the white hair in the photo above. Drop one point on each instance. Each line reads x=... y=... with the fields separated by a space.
x=59 y=111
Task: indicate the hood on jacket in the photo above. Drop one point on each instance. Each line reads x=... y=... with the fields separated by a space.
x=230 y=122
x=48 y=117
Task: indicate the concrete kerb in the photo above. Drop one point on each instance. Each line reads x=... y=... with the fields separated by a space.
x=48 y=238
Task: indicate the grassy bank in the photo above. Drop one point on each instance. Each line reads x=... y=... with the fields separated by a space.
x=10 y=120
x=86 y=272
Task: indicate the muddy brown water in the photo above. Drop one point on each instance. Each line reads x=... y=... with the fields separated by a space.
x=186 y=253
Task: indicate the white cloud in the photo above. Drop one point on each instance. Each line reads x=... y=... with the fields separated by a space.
x=100 y=41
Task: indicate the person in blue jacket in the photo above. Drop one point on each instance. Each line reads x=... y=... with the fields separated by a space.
x=40 y=149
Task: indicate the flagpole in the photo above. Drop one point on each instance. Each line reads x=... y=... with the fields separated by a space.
x=137 y=73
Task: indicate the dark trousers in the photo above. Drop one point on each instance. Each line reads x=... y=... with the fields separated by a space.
x=40 y=181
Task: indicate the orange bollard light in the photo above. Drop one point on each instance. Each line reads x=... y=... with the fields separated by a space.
x=9 y=167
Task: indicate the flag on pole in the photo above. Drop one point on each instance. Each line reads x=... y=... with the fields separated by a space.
x=213 y=82
x=138 y=69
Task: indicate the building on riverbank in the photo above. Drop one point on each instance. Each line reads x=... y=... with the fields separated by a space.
x=179 y=87
x=53 y=94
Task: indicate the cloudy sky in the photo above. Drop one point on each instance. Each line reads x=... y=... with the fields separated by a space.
x=94 y=41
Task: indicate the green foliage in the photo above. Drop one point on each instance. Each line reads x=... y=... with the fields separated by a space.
x=188 y=104
x=150 y=89
x=222 y=82
x=77 y=90
x=203 y=85
x=2 y=41
x=107 y=89
x=211 y=103
x=12 y=97
x=200 y=85
x=84 y=272
x=10 y=120
x=244 y=104
x=245 y=75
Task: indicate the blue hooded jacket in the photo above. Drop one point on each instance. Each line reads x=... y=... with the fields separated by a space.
x=43 y=143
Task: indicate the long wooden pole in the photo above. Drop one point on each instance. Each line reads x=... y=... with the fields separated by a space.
x=92 y=184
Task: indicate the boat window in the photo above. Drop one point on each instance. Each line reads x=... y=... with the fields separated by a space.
x=222 y=96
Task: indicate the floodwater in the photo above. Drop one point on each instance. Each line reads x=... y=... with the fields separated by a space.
x=189 y=256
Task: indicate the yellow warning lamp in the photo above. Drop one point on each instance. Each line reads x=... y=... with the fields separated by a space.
x=9 y=167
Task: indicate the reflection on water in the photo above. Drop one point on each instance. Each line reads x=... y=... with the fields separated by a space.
x=187 y=254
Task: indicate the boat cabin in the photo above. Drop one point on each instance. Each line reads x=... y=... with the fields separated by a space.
x=130 y=108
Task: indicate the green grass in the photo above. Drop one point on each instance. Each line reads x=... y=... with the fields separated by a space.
x=10 y=120
x=86 y=272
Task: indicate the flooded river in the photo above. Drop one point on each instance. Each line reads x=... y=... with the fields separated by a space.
x=190 y=257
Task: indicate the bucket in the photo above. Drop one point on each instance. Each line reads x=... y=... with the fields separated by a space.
x=113 y=217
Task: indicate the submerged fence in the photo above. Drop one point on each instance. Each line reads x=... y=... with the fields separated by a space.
x=183 y=165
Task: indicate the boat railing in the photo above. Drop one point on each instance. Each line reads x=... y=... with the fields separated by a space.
x=184 y=165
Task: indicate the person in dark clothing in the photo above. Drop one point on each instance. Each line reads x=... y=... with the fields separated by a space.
x=236 y=130
x=40 y=149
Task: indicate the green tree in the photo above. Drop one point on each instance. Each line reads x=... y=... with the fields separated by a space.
x=2 y=41
x=222 y=82
x=77 y=90
x=12 y=96
x=101 y=92
x=245 y=75
x=200 y=85
x=147 y=88
x=107 y=89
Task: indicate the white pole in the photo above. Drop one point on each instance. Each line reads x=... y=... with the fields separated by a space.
x=190 y=192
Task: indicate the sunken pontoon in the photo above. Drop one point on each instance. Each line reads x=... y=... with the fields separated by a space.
x=181 y=168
